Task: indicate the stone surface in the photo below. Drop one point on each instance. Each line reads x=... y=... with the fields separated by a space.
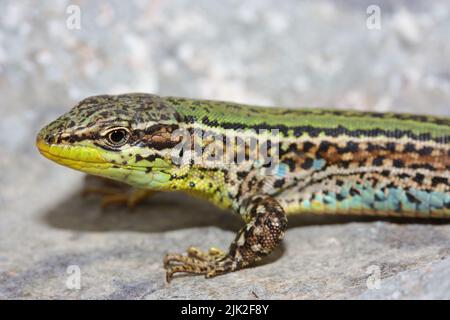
x=315 y=53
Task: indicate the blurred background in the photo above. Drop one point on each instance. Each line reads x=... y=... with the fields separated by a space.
x=369 y=55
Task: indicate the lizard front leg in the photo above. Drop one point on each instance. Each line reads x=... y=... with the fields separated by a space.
x=266 y=224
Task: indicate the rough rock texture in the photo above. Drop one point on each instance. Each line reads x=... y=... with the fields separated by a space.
x=315 y=53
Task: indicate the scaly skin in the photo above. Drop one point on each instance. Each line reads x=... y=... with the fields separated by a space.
x=329 y=162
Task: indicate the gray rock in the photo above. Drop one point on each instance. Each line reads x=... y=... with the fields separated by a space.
x=267 y=52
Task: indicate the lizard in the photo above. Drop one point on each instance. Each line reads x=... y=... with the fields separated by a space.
x=321 y=161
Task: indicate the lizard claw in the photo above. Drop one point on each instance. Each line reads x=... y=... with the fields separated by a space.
x=211 y=263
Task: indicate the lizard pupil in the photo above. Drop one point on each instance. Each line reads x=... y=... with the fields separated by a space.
x=117 y=136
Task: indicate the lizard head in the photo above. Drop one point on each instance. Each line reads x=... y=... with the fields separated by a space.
x=123 y=137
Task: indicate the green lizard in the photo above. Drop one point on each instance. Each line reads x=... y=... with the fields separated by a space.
x=314 y=161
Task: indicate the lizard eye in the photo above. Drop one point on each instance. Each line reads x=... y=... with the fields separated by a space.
x=117 y=137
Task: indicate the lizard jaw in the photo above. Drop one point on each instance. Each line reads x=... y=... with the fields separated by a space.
x=81 y=159
x=90 y=160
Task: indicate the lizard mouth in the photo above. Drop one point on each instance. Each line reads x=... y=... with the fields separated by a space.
x=89 y=160
x=80 y=158
x=71 y=156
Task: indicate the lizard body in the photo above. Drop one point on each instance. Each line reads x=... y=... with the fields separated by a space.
x=263 y=163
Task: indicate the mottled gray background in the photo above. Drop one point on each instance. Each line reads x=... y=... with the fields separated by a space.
x=293 y=53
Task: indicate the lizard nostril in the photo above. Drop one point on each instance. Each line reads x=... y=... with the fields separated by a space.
x=50 y=138
x=46 y=137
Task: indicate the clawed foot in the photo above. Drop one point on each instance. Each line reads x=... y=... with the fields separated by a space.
x=211 y=263
x=115 y=193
